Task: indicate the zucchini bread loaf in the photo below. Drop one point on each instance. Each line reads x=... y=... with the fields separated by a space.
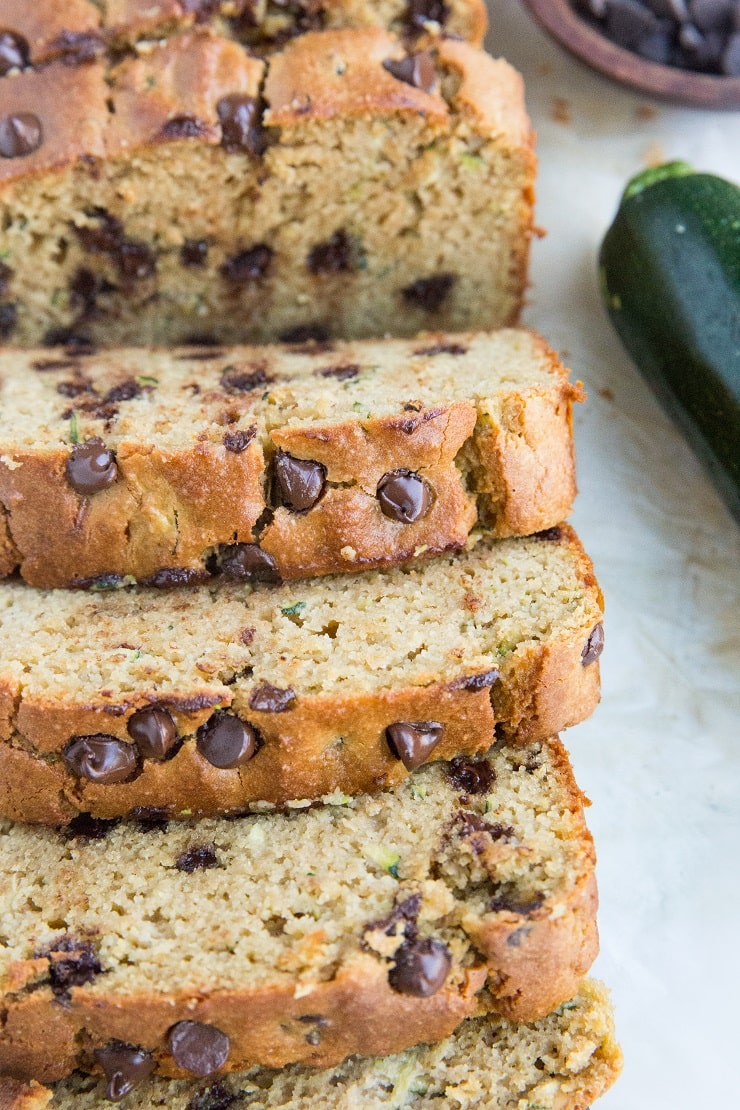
x=280 y=462
x=301 y=937
x=562 y=1062
x=206 y=700
x=195 y=192
x=78 y=31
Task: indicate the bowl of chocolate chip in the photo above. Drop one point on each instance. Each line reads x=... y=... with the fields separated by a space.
x=686 y=51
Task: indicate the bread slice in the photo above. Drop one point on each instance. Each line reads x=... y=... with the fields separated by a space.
x=331 y=457
x=302 y=937
x=193 y=191
x=204 y=701
x=80 y=30
x=564 y=1061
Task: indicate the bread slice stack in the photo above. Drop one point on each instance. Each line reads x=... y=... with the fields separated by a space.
x=288 y=630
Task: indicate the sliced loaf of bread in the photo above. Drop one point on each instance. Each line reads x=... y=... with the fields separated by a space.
x=277 y=462
x=301 y=937
x=343 y=186
x=210 y=700
x=564 y=1061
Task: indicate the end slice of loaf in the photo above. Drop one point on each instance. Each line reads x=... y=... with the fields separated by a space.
x=212 y=700
x=200 y=442
x=350 y=197
x=300 y=937
x=564 y=1061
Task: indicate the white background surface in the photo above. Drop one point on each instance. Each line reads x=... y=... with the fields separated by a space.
x=661 y=757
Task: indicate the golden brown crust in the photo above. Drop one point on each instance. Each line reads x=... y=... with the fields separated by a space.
x=47 y=25
x=325 y=75
x=70 y=105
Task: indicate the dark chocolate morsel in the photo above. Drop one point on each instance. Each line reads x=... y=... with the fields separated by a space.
x=422 y=967
x=248 y=265
x=298 y=483
x=154 y=731
x=333 y=256
x=473 y=682
x=305 y=333
x=415 y=69
x=238 y=441
x=404 y=496
x=226 y=741
x=8 y=320
x=91 y=467
x=420 y=12
x=14 y=52
x=20 y=135
x=471 y=776
x=248 y=562
x=241 y=124
x=413 y=741
x=201 y=857
x=183 y=127
x=194 y=252
x=428 y=293
x=198 y=1048
x=168 y=578
x=271 y=699
x=442 y=349
x=80 y=965
x=86 y=827
x=101 y=759
x=135 y=260
x=237 y=379
x=125 y=1066
x=594 y=645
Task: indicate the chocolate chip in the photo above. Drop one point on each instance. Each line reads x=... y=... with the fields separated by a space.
x=711 y=15
x=248 y=265
x=198 y=1048
x=169 y=578
x=154 y=731
x=14 y=52
x=333 y=256
x=406 y=911
x=413 y=741
x=86 y=827
x=124 y=1066
x=420 y=12
x=297 y=483
x=226 y=741
x=216 y=1096
x=249 y=563
x=8 y=320
x=341 y=373
x=422 y=967
x=135 y=260
x=550 y=535
x=271 y=699
x=91 y=467
x=200 y=857
x=731 y=56
x=471 y=776
x=510 y=902
x=239 y=441
x=98 y=582
x=627 y=21
x=101 y=759
x=305 y=333
x=415 y=69
x=84 y=287
x=474 y=682
x=194 y=252
x=80 y=967
x=105 y=238
x=150 y=818
x=183 y=127
x=20 y=135
x=443 y=349
x=594 y=645
x=240 y=117
x=404 y=496
x=78 y=47
x=429 y=293
x=6 y=275
x=235 y=379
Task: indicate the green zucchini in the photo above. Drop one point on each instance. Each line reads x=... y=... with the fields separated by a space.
x=670 y=279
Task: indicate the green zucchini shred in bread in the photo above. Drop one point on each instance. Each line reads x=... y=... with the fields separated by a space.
x=284 y=935
x=79 y=30
x=562 y=1062
x=289 y=448
x=212 y=699
x=340 y=200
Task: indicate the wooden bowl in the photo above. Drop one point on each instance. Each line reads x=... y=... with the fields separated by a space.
x=682 y=86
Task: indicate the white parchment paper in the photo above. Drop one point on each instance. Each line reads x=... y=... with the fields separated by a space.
x=661 y=757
